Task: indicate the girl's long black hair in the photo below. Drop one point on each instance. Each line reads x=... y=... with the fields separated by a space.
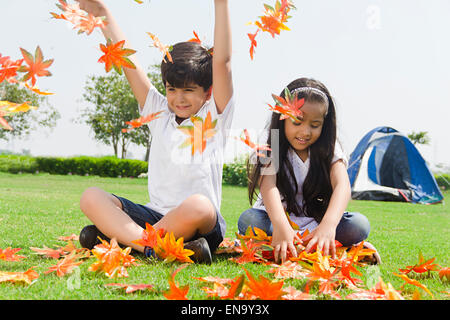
x=317 y=187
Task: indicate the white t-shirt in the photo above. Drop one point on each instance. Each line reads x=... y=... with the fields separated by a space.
x=300 y=171
x=174 y=173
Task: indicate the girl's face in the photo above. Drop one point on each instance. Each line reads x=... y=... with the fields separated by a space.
x=303 y=134
x=186 y=102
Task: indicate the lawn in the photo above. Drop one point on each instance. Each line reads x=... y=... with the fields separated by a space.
x=36 y=209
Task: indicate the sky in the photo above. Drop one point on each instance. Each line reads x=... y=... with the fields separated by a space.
x=386 y=63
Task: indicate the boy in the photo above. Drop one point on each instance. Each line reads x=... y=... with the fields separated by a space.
x=185 y=193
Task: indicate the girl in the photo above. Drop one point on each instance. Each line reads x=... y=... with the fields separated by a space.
x=308 y=180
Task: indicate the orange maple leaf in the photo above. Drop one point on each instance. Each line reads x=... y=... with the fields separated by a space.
x=195 y=39
x=170 y=250
x=253 y=43
x=27 y=276
x=293 y=294
x=111 y=259
x=163 y=48
x=115 y=56
x=149 y=236
x=136 y=123
x=37 y=90
x=249 y=252
x=8 y=69
x=199 y=133
x=175 y=292
x=288 y=107
x=9 y=254
x=413 y=282
x=422 y=266
x=50 y=253
x=37 y=67
x=88 y=23
x=252 y=145
x=65 y=265
x=264 y=288
x=444 y=273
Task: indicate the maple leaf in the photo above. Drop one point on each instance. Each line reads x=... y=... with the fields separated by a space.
x=288 y=270
x=225 y=288
x=50 y=253
x=199 y=133
x=257 y=235
x=37 y=90
x=163 y=48
x=7 y=107
x=288 y=107
x=253 y=43
x=89 y=23
x=9 y=254
x=8 y=69
x=195 y=39
x=73 y=236
x=112 y=259
x=37 y=66
x=264 y=288
x=115 y=56
x=252 y=145
x=422 y=266
x=293 y=294
x=27 y=276
x=65 y=265
x=444 y=273
x=170 y=250
x=249 y=252
x=136 y=123
x=413 y=282
x=130 y=288
x=175 y=292
x=228 y=246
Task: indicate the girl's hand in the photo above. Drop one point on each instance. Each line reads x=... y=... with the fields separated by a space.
x=283 y=240
x=95 y=7
x=324 y=237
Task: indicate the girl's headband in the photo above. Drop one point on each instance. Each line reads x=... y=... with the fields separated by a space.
x=315 y=90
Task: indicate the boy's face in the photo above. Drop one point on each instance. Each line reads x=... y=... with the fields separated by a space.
x=185 y=102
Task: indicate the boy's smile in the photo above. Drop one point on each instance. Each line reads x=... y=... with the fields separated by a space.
x=187 y=101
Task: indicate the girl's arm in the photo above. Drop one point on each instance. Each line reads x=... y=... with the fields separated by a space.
x=222 y=80
x=283 y=235
x=137 y=78
x=324 y=234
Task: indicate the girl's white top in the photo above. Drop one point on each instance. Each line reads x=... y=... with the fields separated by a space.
x=300 y=171
x=174 y=173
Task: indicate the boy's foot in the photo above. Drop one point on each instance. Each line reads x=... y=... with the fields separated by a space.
x=202 y=253
x=89 y=237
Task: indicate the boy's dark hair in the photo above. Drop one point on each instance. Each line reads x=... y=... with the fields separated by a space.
x=317 y=187
x=192 y=63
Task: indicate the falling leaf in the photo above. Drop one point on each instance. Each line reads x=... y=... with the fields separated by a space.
x=254 y=44
x=253 y=145
x=115 y=56
x=8 y=69
x=163 y=48
x=175 y=292
x=37 y=90
x=9 y=254
x=130 y=288
x=27 y=276
x=199 y=133
x=65 y=265
x=37 y=66
x=136 y=123
x=288 y=107
x=89 y=23
x=195 y=39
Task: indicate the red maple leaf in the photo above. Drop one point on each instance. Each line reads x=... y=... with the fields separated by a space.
x=176 y=292
x=9 y=254
x=115 y=56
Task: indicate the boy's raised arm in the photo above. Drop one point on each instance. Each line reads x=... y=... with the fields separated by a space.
x=137 y=78
x=222 y=80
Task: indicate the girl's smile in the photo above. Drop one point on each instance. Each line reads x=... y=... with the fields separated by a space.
x=302 y=134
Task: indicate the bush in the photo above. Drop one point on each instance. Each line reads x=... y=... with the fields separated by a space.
x=235 y=174
x=443 y=181
x=103 y=166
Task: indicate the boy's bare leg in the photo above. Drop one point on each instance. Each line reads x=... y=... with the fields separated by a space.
x=194 y=214
x=105 y=211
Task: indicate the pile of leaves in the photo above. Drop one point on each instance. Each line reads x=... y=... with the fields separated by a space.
x=324 y=276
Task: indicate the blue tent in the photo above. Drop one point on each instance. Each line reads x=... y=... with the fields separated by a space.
x=386 y=165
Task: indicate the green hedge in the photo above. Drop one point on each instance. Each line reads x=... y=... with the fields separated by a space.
x=235 y=174
x=101 y=166
x=443 y=181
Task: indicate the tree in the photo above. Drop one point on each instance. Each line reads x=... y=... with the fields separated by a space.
x=25 y=123
x=112 y=104
x=419 y=137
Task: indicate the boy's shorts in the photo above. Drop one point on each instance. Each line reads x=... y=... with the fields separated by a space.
x=142 y=214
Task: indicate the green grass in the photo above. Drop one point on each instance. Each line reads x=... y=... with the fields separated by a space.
x=36 y=209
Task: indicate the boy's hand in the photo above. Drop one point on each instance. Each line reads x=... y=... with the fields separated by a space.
x=95 y=7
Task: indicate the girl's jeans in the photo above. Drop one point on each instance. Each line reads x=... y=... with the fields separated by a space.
x=352 y=229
